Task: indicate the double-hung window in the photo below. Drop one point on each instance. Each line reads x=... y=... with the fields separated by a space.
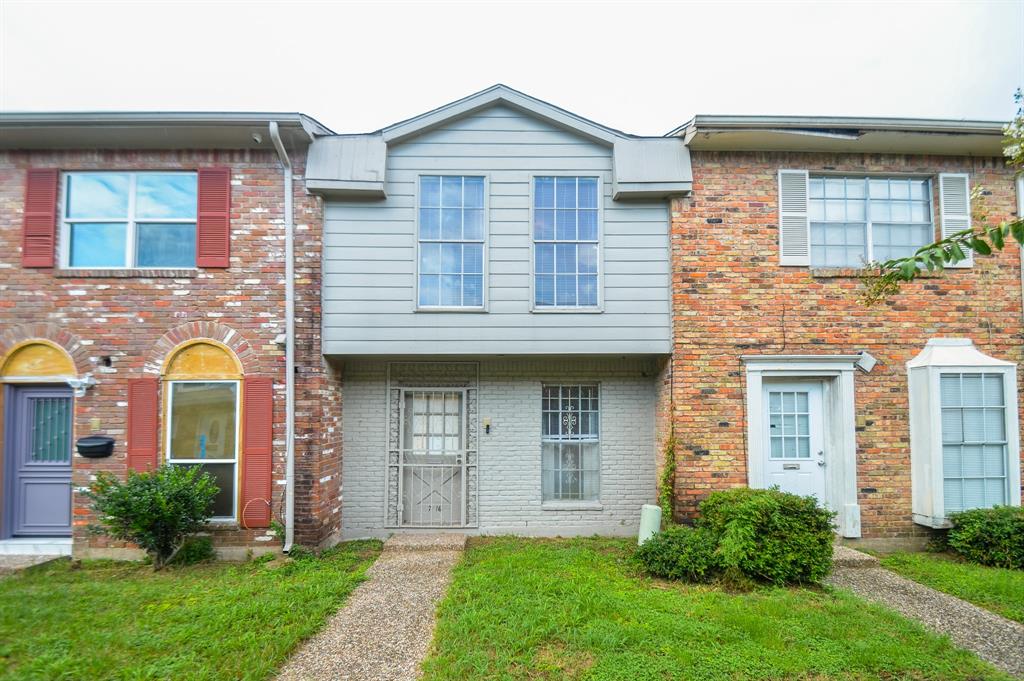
x=202 y=430
x=973 y=440
x=124 y=220
x=451 y=242
x=858 y=220
x=570 y=443
x=565 y=242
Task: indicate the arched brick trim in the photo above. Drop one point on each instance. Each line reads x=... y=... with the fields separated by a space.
x=61 y=337
x=197 y=331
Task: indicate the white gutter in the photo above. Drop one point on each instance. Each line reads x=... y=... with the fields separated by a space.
x=289 y=334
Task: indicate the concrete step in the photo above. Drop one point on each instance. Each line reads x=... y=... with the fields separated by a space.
x=845 y=557
x=36 y=546
x=425 y=541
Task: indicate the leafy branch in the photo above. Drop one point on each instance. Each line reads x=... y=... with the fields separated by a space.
x=883 y=280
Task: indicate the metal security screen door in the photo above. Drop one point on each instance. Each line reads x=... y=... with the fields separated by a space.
x=433 y=458
x=38 y=457
x=794 y=437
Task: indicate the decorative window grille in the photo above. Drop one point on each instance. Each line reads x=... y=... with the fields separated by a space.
x=570 y=443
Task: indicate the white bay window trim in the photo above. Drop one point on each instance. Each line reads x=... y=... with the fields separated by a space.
x=954 y=357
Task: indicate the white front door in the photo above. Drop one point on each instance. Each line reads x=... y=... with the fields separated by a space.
x=794 y=438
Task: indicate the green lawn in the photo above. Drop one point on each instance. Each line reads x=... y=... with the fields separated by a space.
x=113 y=620
x=996 y=589
x=535 y=609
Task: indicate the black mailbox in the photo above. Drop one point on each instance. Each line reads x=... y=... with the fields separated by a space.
x=95 y=446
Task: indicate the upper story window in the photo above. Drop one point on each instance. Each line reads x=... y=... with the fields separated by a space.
x=451 y=242
x=857 y=220
x=123 y=220
x=566 y=238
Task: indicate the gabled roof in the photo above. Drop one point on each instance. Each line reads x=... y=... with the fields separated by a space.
x=501 y=94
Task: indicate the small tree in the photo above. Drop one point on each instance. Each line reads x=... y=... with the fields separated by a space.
x=157 y=510
x=884 y=279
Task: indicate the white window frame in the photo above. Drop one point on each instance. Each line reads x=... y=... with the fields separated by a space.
x=580 y=503
x=168 y=458
x=129 y=220
x=868 y=222
x=485 y=240
x=544 y=309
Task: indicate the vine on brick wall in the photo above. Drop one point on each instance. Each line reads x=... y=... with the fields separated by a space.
x=667 y=488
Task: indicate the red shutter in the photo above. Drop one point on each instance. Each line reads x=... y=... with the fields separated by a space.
x=257 y=450
x=38 y=238
x=213 y=224
x=142 y=423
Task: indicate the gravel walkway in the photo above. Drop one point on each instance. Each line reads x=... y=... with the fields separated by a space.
x=993 y=638
x=383 y=632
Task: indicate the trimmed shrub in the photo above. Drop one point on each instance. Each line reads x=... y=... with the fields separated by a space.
x=990 y=536
x=769 y=535
x=157 y=510
x=680 y=552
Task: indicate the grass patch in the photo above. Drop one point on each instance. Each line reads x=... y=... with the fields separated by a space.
x=578 y=609
x=116 y=620
x=997 y=589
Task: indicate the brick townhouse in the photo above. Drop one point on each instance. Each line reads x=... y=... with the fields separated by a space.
x=518 y=304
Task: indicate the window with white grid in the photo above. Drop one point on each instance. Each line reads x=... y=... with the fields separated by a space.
x=451 y=241
x=974 y=448
x=857 y=220
x=565 y=236
x=570 y=443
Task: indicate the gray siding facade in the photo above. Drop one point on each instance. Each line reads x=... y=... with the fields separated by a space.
x=370 y=250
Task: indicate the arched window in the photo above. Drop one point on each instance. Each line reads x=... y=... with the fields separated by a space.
x=202 y=397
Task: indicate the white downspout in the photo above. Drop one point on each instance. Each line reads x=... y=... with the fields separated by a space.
x=289 y=334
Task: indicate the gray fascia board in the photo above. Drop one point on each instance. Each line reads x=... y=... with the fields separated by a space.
x=714 y=123
x=493 y=95
x=150 y=118
x=624 y=191
x=344 y=189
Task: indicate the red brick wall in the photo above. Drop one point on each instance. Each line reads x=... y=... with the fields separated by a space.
x=731 y=298
x=124 y=318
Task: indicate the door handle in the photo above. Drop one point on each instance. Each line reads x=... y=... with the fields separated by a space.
x=821 y=459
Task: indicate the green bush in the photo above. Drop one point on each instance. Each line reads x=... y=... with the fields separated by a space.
x=156 y=510
x=990 y=536
x=769 y=535
x=680 y=552
x=747 y=534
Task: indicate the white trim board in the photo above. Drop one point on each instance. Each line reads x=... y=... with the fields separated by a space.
x=836 y=374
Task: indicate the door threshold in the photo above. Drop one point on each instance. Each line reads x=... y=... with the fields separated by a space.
x=35 y=546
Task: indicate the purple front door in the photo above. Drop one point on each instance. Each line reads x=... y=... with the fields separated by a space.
x=37 y=461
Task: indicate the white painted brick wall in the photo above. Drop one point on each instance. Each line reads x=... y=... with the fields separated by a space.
x=510 y=458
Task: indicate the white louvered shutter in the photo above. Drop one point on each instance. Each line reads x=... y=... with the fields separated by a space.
x=794 y=228
x=955 y=204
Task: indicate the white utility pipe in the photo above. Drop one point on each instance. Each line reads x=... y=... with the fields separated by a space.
x=289 y=335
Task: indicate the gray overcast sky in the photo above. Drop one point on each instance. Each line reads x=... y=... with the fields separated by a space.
x=641 y=67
